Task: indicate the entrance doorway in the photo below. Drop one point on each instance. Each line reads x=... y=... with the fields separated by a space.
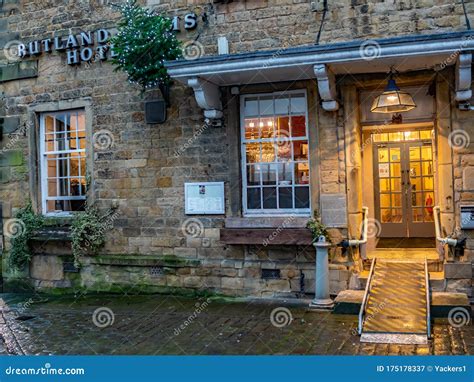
x=404 y=183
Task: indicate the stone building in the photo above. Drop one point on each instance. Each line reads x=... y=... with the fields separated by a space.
x=270 y=118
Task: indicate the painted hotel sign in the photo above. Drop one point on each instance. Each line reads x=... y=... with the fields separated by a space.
x=88 y=46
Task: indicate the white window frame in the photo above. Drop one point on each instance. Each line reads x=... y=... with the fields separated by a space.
x=44 y=163
x=279 y=211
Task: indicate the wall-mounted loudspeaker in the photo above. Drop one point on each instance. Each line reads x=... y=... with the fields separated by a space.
x=155 y=111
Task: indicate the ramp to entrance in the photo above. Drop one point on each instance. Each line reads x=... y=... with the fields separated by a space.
x=396 y=307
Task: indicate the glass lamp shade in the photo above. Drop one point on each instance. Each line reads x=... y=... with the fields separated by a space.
x=392 y=100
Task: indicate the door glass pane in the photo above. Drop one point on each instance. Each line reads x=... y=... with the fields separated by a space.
x=417 y=199
x=394 y=155
x=425 y=134
x=426 y=152
x=383 y=155
x=385 y=185
x=396 y=200
x=427 y=168
x=412 y=135
x=415 y=169
x=395 y=169
x=386 y=216
x=415 y=184
x=397 y=216
x=414 y=153
x=417 y=215
x=396 y=184
x=428 y=183
x=384 y=200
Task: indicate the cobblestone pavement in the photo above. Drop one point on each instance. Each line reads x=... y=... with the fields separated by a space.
x=171 y=325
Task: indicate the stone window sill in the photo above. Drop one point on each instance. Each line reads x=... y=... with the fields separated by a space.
x=271 y=230
x=52 y=234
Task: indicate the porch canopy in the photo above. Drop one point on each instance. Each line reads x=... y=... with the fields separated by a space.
x=322 y=62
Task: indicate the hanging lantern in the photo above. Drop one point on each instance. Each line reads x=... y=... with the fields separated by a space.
x=392 y=100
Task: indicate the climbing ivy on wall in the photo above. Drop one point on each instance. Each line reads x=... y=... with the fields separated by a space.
x=20 y=230
x=143 y=43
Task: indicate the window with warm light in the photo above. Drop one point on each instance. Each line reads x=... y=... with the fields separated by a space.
x=275 y=168
x=63 y=161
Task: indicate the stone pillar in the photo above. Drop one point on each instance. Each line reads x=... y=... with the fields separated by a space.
x=321 y=286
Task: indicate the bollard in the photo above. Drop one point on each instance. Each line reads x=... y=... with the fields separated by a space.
x=321 y=282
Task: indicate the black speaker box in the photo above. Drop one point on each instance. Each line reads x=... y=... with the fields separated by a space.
x=155 y=111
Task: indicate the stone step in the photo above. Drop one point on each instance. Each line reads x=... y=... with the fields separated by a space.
x=349 y=302
x=437 y=280
x=433 y=265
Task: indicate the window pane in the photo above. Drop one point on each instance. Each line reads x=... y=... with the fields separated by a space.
x=284 y=174
x=269 y=197
x=253 y=175
x=268 y=152
x=266 y=106
x=285 y=197
x=251 y=107
x=298 y=126
x=267 y=127
x=252 y=130
x=282 y=106
x=283 y=127
x=269 y=173
x=301 y=197
x=302 y=173
x=300 y=150
x=298 y=104
x=253 y=198
x=252 y=152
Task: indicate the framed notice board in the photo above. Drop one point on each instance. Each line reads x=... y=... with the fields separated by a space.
x=206 y=198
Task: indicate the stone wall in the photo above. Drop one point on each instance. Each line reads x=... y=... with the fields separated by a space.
x=140 y=171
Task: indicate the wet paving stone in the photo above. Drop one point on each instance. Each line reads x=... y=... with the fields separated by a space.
x=153 y=325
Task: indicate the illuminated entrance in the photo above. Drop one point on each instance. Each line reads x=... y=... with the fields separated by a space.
x=404 y=183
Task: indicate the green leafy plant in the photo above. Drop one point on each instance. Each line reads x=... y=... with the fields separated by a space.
x=317 y=228
x=21 y=229
x=142 y=45
x=88 y=230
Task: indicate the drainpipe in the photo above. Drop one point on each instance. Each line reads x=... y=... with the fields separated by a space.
x=443 y=240
x=363 y=239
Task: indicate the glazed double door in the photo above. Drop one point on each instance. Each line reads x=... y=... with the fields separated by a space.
x=404 y=189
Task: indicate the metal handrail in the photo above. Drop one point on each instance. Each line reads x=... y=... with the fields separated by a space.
x=442 y=240
x=366 y=294
x=427 y=287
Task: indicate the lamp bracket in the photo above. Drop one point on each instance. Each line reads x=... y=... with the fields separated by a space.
x=463 y=77
x=208 y=97
x=326 y=87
